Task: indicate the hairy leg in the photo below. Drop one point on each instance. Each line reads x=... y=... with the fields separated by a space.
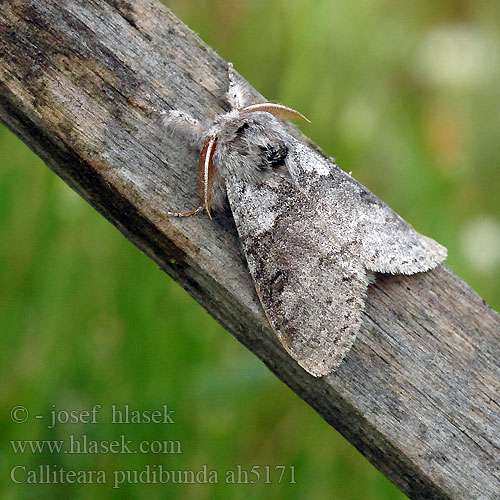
x=236 y=94
x=178 y=122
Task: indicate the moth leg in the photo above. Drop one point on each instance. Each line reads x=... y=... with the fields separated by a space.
x=237 y=96
x=177 y=122
x=185 y=214
x=147 y=107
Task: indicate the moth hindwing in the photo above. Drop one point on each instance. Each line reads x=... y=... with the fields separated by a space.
x=309 y=231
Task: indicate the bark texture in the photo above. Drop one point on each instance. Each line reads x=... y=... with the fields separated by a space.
x=417 y=394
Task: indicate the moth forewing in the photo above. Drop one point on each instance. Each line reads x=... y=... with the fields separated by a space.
x=388 y=244
x=312 y=290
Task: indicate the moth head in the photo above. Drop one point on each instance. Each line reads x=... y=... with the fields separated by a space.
x=206 y=168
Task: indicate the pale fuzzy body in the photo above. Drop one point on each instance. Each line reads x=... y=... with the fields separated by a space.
x=311 y=233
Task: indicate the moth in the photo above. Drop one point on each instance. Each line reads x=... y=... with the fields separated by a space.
x=311 y=234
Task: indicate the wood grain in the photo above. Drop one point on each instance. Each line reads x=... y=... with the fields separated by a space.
x=417 y=394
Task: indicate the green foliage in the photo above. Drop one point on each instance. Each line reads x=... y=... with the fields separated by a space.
x=404 y=95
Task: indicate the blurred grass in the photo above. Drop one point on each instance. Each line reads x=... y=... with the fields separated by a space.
x=403 y=95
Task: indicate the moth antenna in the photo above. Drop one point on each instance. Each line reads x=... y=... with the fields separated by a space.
x=185 y=214
x=206 y=172
x=277 y=110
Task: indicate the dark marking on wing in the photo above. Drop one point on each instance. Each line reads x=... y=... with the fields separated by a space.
x=273 y=156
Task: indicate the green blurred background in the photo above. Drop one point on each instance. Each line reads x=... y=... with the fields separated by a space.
x=406 y=95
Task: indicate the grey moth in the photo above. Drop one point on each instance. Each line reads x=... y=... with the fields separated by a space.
x=311 y=234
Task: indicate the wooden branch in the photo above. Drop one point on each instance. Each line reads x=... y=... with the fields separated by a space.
x=418 y=393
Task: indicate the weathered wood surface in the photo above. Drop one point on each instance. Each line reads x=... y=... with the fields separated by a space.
x=418 y=393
